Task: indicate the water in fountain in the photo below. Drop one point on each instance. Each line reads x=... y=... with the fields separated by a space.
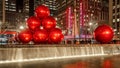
x=20 y=54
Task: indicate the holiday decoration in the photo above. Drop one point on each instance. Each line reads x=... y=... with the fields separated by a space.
x=55 y=35
x=25 y=36
x=40 y=36
x=33 y=23
x=41 y=28
x=49 y=23
x=103 y=34
x=42 y=11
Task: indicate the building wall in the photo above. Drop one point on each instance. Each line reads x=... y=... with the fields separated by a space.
x=110 y=12
x=1 y=11
x=51 y=4
x=86 y=11
x=16 y=12
x=114 y=16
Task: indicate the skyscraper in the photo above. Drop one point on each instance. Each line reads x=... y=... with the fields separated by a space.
x=51 y=4
x=114 y=16
x=83 y=12
x=1 y=12
x=9 y=10
x=16 y=12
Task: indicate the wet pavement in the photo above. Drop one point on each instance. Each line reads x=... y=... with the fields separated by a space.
x=83 y=62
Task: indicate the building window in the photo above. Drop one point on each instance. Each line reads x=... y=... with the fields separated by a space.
x=113 y=20
x=113 y=10
x=113 y=17
x=117 y=10
x=118 y=16
x=113 y=2
x=118 y=1
x=118 y=20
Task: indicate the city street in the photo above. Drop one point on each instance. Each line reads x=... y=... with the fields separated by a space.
x=59 y=33
x=88 y=62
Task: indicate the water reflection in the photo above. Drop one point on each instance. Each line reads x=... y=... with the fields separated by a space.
x=107 y=64
x=89 y=62
x=77 y=65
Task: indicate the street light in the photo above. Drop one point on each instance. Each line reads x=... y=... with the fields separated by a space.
x=90 y=23
x=21 y=27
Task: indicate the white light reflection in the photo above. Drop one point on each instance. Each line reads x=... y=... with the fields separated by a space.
x=50 y=58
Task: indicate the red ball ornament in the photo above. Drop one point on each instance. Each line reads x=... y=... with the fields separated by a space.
x=42 y=11
x=25 y=36
x=49 y=23
x=40 y=36
x=103 y=34
x=56 y=35
x=33 y=23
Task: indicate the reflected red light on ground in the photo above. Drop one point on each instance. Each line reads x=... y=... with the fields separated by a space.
x=107 y=64
x=77 y=65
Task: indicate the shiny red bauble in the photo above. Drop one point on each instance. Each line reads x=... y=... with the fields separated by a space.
x=25 y=36
x=33 y=23
x=103 y=34
x=49 y=23
x=42 y=11
x=56 y=35
x=40 y=36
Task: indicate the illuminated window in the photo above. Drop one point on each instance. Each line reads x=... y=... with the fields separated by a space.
x=118 y=20
x=113 y=20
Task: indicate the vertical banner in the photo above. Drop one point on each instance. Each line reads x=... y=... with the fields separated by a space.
x=69 y=20
x=81 y=14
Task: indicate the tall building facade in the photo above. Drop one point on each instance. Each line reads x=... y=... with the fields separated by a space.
x=9 y=10
x=51 y=4
x=86 y=14
x=15 y=12
x=1 y=12
x=114 y=16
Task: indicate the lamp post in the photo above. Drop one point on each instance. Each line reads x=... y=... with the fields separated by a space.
x=92 y=26
x=21 y=27
x=3 y=10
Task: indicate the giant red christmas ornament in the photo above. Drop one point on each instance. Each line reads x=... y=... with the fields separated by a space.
x=42 y=11
x=49 y=23
x=40 y=36
x=33 y=23
x=25 y=36
x=56 y=35
x=103 y=34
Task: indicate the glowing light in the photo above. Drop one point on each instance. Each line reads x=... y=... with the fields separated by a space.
x=21 y=27
x=81 y=14
x=90 y=23
x=49 y=58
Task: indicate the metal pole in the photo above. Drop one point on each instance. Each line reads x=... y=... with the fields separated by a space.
x=3 y=19
x=74 y=19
